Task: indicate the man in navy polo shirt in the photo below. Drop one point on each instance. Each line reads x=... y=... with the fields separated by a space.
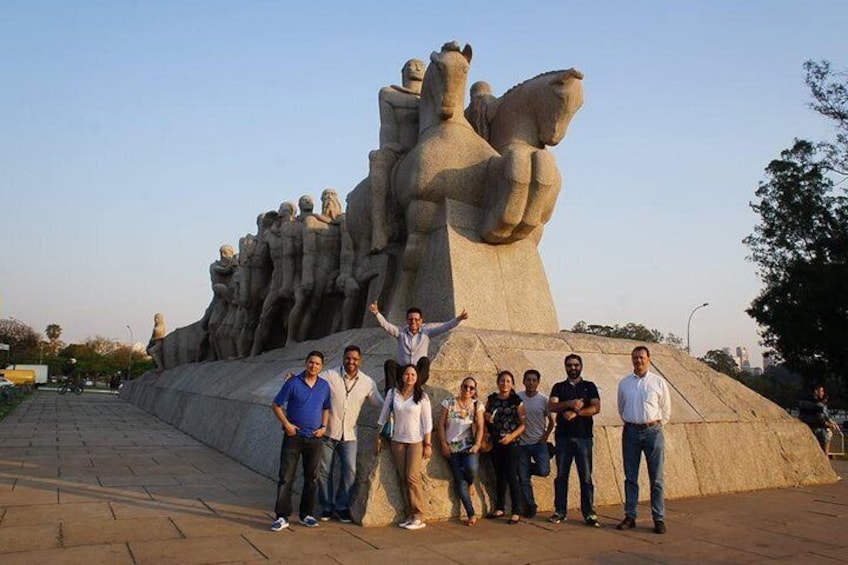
x=575 y=402
x=303 y=407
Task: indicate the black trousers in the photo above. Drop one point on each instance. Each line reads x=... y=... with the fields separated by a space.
x=294 y=448
x=392 y=371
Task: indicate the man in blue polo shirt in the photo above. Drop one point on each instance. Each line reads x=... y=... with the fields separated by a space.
x=303 y=407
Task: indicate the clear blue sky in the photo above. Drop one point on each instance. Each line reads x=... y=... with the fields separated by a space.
x=137 y=137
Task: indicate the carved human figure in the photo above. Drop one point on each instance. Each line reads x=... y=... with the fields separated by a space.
x=320 y=268
x=220 y=273
x=154 y=347
x=285 y=240
x=255 y=266
x=479 y=110
x=398 y=134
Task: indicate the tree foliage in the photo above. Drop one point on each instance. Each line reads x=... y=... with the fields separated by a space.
x=800 y=243
x=631 y=330
x=23 y=341
x=722 y=362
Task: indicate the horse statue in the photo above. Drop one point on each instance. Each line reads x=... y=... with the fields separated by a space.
x=531 y=115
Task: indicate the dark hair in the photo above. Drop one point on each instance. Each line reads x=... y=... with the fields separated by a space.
x=641 y=348
x=417 y=391
x=317 y=354
x=511 y=376
x=472 y=379
x=573 y=356
x=352 y=348
x=415 y=310
x=533 y=372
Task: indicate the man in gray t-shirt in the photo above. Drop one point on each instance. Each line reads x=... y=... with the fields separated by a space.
x=534 y=456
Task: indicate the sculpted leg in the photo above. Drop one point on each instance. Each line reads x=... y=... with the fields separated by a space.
x=420 y=219
x=381 y=162
x=509 y=200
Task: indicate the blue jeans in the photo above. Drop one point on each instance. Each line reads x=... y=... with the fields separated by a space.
x=332 y=498
x=651 y=442
x=464 y=468
x=578 y=450
x=533 y=459
x=294 y=448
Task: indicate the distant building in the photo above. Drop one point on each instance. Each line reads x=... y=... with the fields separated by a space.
x=742 y=359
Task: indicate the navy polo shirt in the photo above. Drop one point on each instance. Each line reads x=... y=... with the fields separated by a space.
x=304 y=404
x=580 y=426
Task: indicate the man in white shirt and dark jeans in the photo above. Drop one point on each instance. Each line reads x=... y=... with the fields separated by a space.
x=644 y=404
x=413 y=342
x=350 y=388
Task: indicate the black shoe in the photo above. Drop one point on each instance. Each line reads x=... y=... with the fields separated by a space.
x=659 y=527
x=325 y=516
x=626 y=524
x=345 y=517
x=592 y=521
x=530 y=513
x=557 y=518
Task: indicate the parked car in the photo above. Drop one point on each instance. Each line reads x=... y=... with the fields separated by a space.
x=5 y=382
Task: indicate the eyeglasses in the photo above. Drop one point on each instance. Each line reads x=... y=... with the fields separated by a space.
x=469 y=387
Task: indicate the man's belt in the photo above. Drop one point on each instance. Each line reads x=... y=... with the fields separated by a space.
x=644 y=426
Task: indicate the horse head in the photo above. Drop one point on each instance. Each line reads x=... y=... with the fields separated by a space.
x=562 y=97
x=443 y=89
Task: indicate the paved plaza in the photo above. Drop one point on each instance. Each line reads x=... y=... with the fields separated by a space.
x=92 y=479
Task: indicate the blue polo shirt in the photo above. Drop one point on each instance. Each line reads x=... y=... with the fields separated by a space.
x=304 y=405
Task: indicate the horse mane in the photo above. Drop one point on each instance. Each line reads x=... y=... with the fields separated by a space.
x=540 y=75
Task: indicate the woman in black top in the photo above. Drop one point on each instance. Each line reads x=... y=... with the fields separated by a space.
x=505 y=418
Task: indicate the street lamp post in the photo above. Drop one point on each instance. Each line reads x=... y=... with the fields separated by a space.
x=129 y=363
x=689 y=324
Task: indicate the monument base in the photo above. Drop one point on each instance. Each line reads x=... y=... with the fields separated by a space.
x=722 y=437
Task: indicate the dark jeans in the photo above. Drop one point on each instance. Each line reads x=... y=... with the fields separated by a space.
x=464 y=467
x=391 y=369
x=533 y=459
x=293 y=448
x=505 y=462
x=578 y=450
x=651 y=442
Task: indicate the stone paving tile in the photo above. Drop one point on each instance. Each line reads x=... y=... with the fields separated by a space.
x=136 y=480
x=412 y=555
x=94 y=532
x=298 y=541
x=55 y=513
x=28 y=538
x=213 y=525
x=154 y=508
x=92 y=493
x=112 y=554
x=22 y=495
x=218 y=549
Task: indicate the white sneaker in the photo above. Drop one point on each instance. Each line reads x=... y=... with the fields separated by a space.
x=405 y=523
x=309 y=522
x=416 y=525
x=279 y=525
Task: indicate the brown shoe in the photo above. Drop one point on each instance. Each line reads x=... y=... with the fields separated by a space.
x=659 y=527
x=626 y=524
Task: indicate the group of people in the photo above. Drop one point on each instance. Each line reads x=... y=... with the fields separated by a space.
x=319 y=409
x=813 y=411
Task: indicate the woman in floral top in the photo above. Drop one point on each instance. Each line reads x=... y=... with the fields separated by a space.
x=460 y=432
x=505 y=416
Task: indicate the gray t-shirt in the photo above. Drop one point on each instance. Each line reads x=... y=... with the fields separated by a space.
x=536 y=418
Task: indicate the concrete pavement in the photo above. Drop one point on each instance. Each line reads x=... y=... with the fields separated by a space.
x=93 y=479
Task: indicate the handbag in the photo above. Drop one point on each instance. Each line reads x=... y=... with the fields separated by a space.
x=389 y=427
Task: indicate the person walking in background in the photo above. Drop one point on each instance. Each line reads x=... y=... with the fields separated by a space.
x=303 y=408
x=505 y=416
x=534 y=457
x=411 y=441
x=644 y=404
x=413 y=342
x=460 y=433
x=575 y=401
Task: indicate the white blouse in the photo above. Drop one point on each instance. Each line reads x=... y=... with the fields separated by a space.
x=412 y=421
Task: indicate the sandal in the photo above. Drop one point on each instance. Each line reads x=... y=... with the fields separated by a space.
x=514 y=519
x=494 y=515
x=471 y=521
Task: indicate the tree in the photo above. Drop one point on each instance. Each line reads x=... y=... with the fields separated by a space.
x=53 y=332
x=22 y=340
x=631 y=330
x=800 y=243
x=722 y=362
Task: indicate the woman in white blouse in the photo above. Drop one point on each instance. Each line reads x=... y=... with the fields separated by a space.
x=411 y=440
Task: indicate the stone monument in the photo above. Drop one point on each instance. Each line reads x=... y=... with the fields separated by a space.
x=450 y=216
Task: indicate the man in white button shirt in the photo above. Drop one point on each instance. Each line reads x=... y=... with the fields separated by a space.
x=644 y=403
x=350 y=388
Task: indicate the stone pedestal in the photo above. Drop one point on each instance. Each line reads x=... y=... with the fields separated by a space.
x=504 y=287
x=722 y=437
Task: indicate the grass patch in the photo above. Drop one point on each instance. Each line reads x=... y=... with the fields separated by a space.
x=10 y=401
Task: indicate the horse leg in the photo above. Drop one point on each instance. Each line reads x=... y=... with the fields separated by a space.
x=509 y=199
x=381 y=162
x=544 y=190
x=420 y=218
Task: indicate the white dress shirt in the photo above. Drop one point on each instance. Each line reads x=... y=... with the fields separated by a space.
x=644 y=399
x=347 y=396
